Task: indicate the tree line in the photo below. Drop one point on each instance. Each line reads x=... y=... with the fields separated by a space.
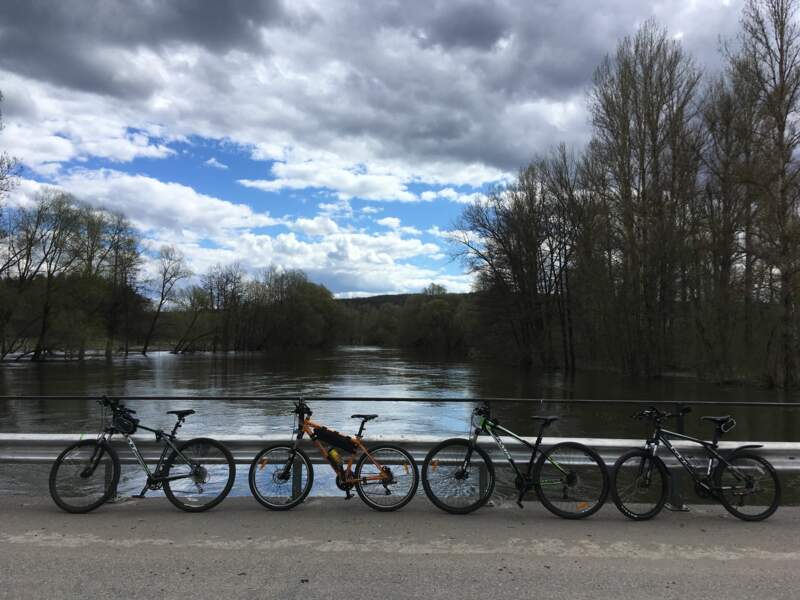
x=72 y=284
x=673 y=240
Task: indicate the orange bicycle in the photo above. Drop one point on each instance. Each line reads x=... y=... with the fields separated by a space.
x=385 y=476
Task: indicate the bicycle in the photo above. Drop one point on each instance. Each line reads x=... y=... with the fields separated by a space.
x=640 y=480
x=195 y=476
x=385 y=476
x=570 y=479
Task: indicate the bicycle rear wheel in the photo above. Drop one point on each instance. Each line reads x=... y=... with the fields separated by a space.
x=386 y=477
x=84 y=476
x=281 y=477
x=457 y=476
x=205 y=479
x=571 y=480
x=639 y=485
x=748 y=486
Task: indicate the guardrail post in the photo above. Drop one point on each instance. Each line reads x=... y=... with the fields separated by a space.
x=677 y=477
x=681 y=421
x=482 y=477
x=109 y=475
x=297 y=479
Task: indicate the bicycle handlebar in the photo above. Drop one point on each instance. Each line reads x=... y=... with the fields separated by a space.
x=114 y=405
x=657 y=415
x=302 y=409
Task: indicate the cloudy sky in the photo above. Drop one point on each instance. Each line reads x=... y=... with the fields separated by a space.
x=341 y=138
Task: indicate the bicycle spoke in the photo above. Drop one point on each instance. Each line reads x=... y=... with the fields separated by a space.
x=391 y=478
x=748 y=487
x=571 y=482
x=277 y=480
x=454 y=483
x=202 y=473
x=82 y=477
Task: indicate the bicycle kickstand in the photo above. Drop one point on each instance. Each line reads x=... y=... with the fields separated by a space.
x=142 y=493
x=519 y=499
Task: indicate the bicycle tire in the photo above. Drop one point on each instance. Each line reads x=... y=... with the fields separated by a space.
x=576 y=481
x=768 y=471
x=428 y=467
x=217 y=475
x=366 y=461
x=258 y=465
x=110 y=484
x=662 y=491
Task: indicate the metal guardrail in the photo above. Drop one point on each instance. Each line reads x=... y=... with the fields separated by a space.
x=676 y=405
x=33 y=448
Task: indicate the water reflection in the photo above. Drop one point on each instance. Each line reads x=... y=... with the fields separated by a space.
x=351 y=372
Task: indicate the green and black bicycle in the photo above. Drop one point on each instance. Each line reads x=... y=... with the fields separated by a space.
x=570 y=479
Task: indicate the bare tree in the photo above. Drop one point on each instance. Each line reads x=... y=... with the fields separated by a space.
x=769 y=60
x=646 y=145
x=171 y=270
x=56 y=254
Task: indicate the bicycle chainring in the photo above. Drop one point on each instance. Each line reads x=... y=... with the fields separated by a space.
x=343 y=478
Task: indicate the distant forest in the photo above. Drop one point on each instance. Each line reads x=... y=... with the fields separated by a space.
x=670 y=243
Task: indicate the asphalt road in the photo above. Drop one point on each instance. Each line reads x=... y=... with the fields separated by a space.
x=334 y=549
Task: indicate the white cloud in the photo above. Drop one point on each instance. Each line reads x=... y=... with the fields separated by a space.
x=351 y=181
x=452 y=195
x=210 y=230
x=156 y=205
x=318 y=226
x=394 y=223
x=213 y=162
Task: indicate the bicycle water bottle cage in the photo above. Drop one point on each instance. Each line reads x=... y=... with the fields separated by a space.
x=334 y=438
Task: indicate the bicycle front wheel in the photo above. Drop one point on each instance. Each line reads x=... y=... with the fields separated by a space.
x=571 y=480
x=281 y=477
x=639 y=485
x=204 y=471
x=748 y=486
x=386 y=477
x=458 y=477
x=84 y=476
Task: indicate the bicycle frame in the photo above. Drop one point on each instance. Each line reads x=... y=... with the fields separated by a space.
x=491 y=427
x=153 y=477
x=662 y=436
x=306 y=426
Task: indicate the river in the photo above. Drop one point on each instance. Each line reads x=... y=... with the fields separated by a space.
x=358 y=371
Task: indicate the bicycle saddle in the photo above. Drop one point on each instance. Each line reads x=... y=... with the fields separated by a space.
x=545 y=420
x=717 y=420
x=181 y=414
x=365 y=417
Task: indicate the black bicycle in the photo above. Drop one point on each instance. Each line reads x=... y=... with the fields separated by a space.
x=195 y=475
x=745 y=483
x=570 y=479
